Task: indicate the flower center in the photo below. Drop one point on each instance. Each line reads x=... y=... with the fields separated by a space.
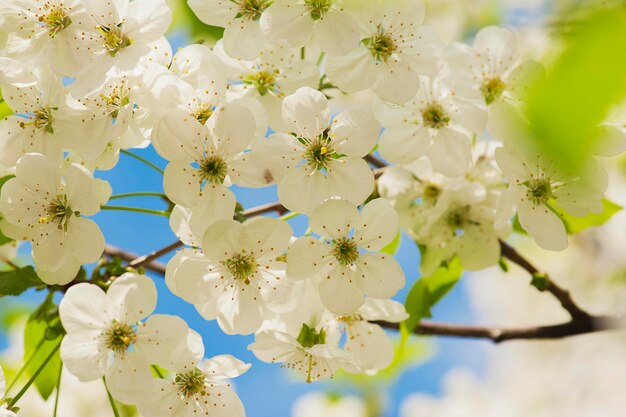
x=318 y=7
x=190 y=383
x=59 y=212
x=381 y=45
x=492 y=89
x=114 y=39
x=213 y=169
x=539 y=190
x=345 y=251
x=116 y=99
x=252 y=9
x=431 y=192
x=310 y=337
x=119 y=337
x=242 y=266
x=55 y=20
x=203 y=112
x=435 y=116
x=318 y=153
x=264 y=81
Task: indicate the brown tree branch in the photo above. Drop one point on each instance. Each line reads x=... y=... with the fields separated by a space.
x=562 y=295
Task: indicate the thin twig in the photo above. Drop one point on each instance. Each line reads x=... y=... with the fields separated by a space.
x=146 y=259
x=115 y=252
x=559 y=293
x=375 y=161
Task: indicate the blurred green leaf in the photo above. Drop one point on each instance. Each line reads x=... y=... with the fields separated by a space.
x=393 y=246
x=578 y=224
x=584 y=82
x=17 y=281
x=428 y=291
x=35 y=332
x=198 y=32
x=5 y=110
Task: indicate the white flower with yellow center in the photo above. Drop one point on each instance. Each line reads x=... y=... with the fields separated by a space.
x=537 y=191
x=195 y=387
x=309 y=351
x=47 y=205
x=437 y=123
x=492 y=69
x=106 y=337
x=275 y=73
x=319 y=159
x=239 y=18
x=327 y=24
x=117 y=33
x=346 y=266
x=238 y=273
x=42 y=121
x=40 y=29
x=393 y=51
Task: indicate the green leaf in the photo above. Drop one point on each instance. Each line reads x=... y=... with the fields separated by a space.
x=36 y=331
x=393 y=246
x=586 y=80
x=428 y=291
x=18 y=281
x=578 y=224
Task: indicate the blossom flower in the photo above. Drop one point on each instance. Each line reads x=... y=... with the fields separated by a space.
x=537 y=190
x=318 y=159
x=438 y=123
x=276 y=72
x=39 y=31
x=367 y=342
x=238 y=272
x=326 y=23
x=393 y=51
x=492 y=69
x=195 y=388
x=309 y=353
x=344 y=271
x=117 y=34
x=106 y=337
x=322 y=404
x=42 y=121
x=240 y=19
x=46 y=205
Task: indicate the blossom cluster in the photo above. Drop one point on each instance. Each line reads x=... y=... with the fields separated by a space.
x=89 y=79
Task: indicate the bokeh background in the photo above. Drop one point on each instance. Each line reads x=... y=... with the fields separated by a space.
x=435 y=377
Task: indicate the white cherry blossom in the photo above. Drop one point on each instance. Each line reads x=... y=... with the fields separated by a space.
x=438 y=123
x=318 y=159
x=394 y=50
x=107 y=337
x=346 y=266
x=276 y=72
x=537 y=189
x=239 y=18
x=46 y=205
x=195 y=387
x=238 y=272
x=327 y=24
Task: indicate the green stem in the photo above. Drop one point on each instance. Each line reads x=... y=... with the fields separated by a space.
x=56 y=398
x=289 y=216
x=137 y=210
x=302 y=53
x=139 y=194
x=28 y=361
x=35 y=375
x=320 y=58
x=116 y=412
x=145 y=161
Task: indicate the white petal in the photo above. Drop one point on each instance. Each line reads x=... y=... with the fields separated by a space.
x=83 y=308
x=159 y=337
x=287 y=23
x=239 y=310
x=85 y=240
x=396 y=81
x=181 y=183
x=197 y=281
x=305 y=259
x=382 y=276
x=387 y=310
x=451 y=152
x=271 y=346
x=233 y=127
x=334 y=218
x=267 y=237
x=543 y=225
x=225 y=366
x=351 y=179
x=306 y=112
x=341 y=291
x=336 y=33
x=370 y=346
x=130 y=378
x=148 y=18
x=130 y=298
x=355 y=132
x=243 y=39
x=83 y=355
x=377 y=225
x=353 y=72
x=216 y=203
